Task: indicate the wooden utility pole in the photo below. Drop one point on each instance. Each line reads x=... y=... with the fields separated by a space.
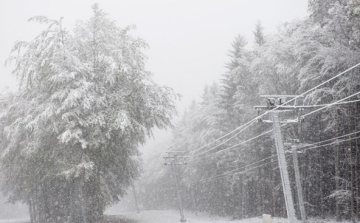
x=135 y=198
x=194 y=201
x=176 y=158
x=275 y=105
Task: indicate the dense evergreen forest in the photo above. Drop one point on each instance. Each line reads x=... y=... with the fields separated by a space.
x=238 y=174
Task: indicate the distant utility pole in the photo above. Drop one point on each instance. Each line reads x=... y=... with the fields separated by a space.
x=176 y=158
x=276 y=101
x=194 y=201
x=135 y=199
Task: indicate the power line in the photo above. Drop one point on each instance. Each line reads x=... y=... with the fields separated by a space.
x=260 y=116
x=336 y=76
x=230 y=174
x=316 y=143
x=336 y=142
x=231 y=147
x=225 y=140
x=314 y=146
x=322 y=105
x=264 y=133
x=304 y=146
x=242 y=167
x=306 y=106
x=246 y=125
x=334 y=103
x=245 y=171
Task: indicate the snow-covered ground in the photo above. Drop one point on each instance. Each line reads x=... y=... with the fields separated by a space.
x=168 y=216
x=174 y=217
x=161 y=216
x=22 y=220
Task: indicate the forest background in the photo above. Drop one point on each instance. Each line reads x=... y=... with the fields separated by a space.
x=238 y=175
x=297 y=57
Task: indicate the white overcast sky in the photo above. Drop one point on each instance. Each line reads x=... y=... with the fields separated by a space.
x=189 y=39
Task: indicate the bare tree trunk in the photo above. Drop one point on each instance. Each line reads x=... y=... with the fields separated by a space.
x=273 y=209
x=260 y=186
x=194 y=200
x=304 y=179
x=319 y=184
x=357 y=177
x=72 y=201
x=337 y=173
x=42 y=204
x=83 y=200
x=357 y=163
x=352 y=186
x=135 y=198
x=337 y=183
x=31 y=211
x=351 y=169
x=243 y=193
x=241 y=197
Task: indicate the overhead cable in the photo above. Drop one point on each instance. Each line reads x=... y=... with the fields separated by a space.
x=247 y=170
x=291 y=100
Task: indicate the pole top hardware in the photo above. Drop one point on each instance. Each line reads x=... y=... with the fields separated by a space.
x=175 y=158
x=175 y=152
x=280 y=104
x=281 y=96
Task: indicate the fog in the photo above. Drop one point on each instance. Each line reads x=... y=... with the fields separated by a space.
x=155 y=111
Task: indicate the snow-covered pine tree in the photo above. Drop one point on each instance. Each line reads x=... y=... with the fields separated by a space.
x=235 y=67
x=337 y=48
x=259 y=33
x=85 y=103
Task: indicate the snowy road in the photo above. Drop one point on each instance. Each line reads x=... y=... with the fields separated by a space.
x=23 y=220
x=174 y=217
x=162 y=216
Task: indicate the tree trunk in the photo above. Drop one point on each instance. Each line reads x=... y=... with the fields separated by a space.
x=357 y=179
x=351 y=166
x=83 y=202
x=357 y=175
x=337 y=175
x=243 y=193
x=240 y=198
x=273 y=197
x=260 y=193
x=337 y=183
x=31 y=211
x=352 y=185
x=193 y=200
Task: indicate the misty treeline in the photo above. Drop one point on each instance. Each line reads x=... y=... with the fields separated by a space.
x=294 y=59
x=69 y=135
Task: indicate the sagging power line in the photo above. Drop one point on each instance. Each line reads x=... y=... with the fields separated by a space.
x=275 y=108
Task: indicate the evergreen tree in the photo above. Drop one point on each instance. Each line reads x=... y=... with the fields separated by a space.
x=299 y=56
x=259 y=34
x=235 y=71
x=69 y=138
